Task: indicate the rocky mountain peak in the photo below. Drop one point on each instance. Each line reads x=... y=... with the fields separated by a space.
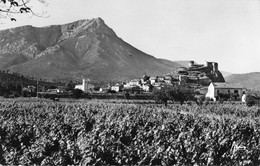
x=85 y=27
x=85 y=48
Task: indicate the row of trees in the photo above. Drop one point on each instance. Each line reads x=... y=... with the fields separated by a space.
x=183 y=94
x=174 y=94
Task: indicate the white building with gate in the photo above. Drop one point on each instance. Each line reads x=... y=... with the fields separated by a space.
x=217 y=90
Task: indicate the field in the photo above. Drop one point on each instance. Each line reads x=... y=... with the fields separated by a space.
x=121 y=132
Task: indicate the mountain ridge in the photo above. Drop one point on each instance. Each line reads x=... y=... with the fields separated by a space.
x=246 y=80
x=81 y=49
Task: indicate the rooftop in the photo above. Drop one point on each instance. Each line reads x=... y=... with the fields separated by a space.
x=225 y=85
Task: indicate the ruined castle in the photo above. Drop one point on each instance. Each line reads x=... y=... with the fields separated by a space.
x=200 y=74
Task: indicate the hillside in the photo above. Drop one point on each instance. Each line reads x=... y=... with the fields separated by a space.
x=85 y=48
x=226 y=74
x=183 y=63
x=248 y=80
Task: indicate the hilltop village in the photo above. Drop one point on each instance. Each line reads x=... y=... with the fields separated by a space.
x=206 y=78
x=195 y=75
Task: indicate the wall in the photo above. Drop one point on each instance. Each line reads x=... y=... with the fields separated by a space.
x=211 y=93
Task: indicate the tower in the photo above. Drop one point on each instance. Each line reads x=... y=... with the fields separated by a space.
x=83 y=84
x=191 y=63
x=210 y=65
x=215 y=66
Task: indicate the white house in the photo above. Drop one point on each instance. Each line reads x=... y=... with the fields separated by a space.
x=135 y=82
x=117 y=87
x=85 y=86
x=217 y=90
x=147 y=87
x=153 y=80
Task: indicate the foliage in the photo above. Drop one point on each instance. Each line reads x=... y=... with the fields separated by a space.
x=14 y=82
x=175 y=94
x=180 y=94
x=70 y=86
x=16 y=94
x=111 y=91
x=78 y=93
x=250 y=100
x=6 y=95
x=40 y=132
x=127 y=95
x=160 y=96
x=9 y=8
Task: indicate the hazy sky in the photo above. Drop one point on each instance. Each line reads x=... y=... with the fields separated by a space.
x=225 y=31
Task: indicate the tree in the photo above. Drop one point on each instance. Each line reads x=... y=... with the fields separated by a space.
x=160 y=96
x=78 y=93
x=180 y=94
x=127 y=95
x=10 y=8
x=250 y=100
x=175 y=94
x=70 y=86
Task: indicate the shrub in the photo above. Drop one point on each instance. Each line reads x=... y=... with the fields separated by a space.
x=180 y=94
x=111 y=91
x=127 y=95
x=16 y=94
x=78 y=93
x=6 y=95
x=160 y=96
x=250 y=100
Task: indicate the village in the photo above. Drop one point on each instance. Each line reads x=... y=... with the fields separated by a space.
x=205 y=78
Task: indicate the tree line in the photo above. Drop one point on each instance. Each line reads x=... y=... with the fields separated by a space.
x=176 y=94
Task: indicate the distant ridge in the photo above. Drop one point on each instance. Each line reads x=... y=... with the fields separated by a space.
x=248 y=80
x=84 y=48
x=226 y=74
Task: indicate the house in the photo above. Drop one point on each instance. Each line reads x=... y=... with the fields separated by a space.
x=158 y=86
x=153 y=80
x=161 y=78
x=147 y=87
x=168 y=81
x=54 y=91
x=168 y=77
x=182 y=79
x=133 y=89
x=135 y=82
x=145 y=79
x=117 y=88
x=105 y=89
x=222 y=90
x=29 y=89
x=85 y=86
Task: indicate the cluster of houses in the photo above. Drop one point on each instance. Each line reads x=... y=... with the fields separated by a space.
x=192 y=76
x=195 y=75
x=215 y=90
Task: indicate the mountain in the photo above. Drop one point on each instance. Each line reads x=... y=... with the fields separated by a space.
x=183 y=63
x=248 y=80
x=82 y=49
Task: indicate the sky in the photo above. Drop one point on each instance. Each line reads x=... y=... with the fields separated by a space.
x=223 y=31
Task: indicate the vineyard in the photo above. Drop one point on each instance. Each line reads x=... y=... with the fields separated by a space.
x=96 y=132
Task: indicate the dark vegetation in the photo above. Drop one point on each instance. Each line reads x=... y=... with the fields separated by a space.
x=179 y=94
x=11 y=84
x=39 y=132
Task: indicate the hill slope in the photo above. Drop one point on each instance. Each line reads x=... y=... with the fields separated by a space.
x=85 y=48
x=248 y=80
